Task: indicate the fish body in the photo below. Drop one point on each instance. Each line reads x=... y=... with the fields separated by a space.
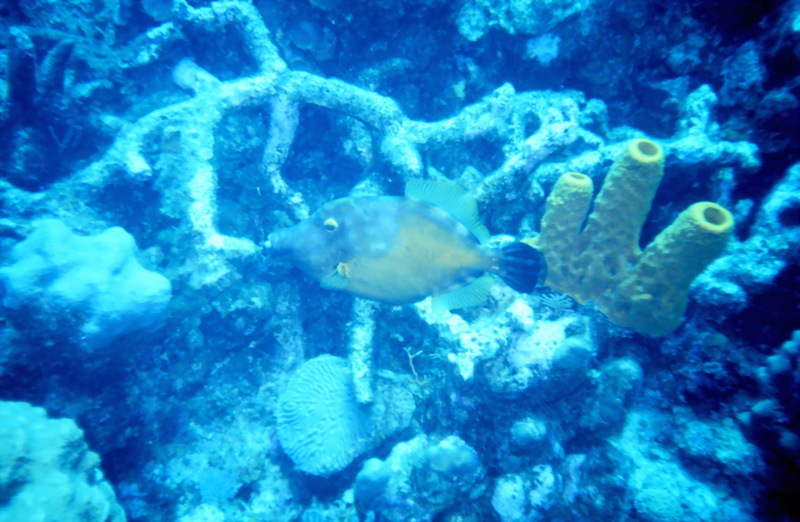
x=400 y=249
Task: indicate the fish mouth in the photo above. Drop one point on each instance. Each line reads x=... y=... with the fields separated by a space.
x=282 y=242
x=276 y=242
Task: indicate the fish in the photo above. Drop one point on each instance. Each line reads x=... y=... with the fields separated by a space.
x=402 y=249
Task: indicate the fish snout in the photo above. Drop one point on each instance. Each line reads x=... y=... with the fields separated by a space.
x=305 y=247
x=292 y=242
x=277 y=241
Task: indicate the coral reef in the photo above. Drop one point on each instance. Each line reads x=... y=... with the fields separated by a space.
x=753 y=263
x=519 y=497
x=96 y=279
x=47 y=472
x=552 y=356
x=148 y=149
x=665 y=490
x=772 y=422
x=419 y=479
x=476 y=17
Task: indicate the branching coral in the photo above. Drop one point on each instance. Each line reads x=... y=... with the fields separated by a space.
x=751 y=265
x=186 y=170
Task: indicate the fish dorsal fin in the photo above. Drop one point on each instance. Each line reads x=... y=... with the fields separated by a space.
x=473 y=294
x=337 y=279
x=451 y=198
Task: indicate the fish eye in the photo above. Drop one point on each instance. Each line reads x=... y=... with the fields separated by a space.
x=330 y=225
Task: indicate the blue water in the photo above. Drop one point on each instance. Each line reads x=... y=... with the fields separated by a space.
x=160 y=361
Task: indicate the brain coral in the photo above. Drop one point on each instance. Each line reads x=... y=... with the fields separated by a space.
x=322 y=426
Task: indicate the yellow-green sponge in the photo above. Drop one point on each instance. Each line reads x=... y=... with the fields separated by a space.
x=646 y=291
x=565 y=212
x=653 y=297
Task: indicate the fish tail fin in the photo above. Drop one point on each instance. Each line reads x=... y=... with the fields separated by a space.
x=521 y=266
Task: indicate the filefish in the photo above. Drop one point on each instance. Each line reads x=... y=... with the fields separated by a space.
x=402 y=249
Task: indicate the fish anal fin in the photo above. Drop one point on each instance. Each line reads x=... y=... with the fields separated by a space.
x=449 y=197
x=472 y=294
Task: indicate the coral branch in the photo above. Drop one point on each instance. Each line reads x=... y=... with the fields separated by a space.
x=411 y=357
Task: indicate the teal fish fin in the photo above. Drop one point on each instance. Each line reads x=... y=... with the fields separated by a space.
x=473 y=294
x=449 y=197
x=337 y=279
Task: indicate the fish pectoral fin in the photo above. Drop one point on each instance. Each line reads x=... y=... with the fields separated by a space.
x=337 y=279
x=473 y=294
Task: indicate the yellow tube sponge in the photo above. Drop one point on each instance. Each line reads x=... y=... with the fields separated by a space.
x=646 y=291
x=653 y=297
x=565 y=212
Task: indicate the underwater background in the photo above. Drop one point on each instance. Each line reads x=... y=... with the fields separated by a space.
x=158 y=363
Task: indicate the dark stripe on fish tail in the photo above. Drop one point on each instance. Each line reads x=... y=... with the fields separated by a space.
x=521 y=266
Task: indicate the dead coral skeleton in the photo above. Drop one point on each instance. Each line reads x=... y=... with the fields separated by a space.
x=501 y=117
x=186 y=173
